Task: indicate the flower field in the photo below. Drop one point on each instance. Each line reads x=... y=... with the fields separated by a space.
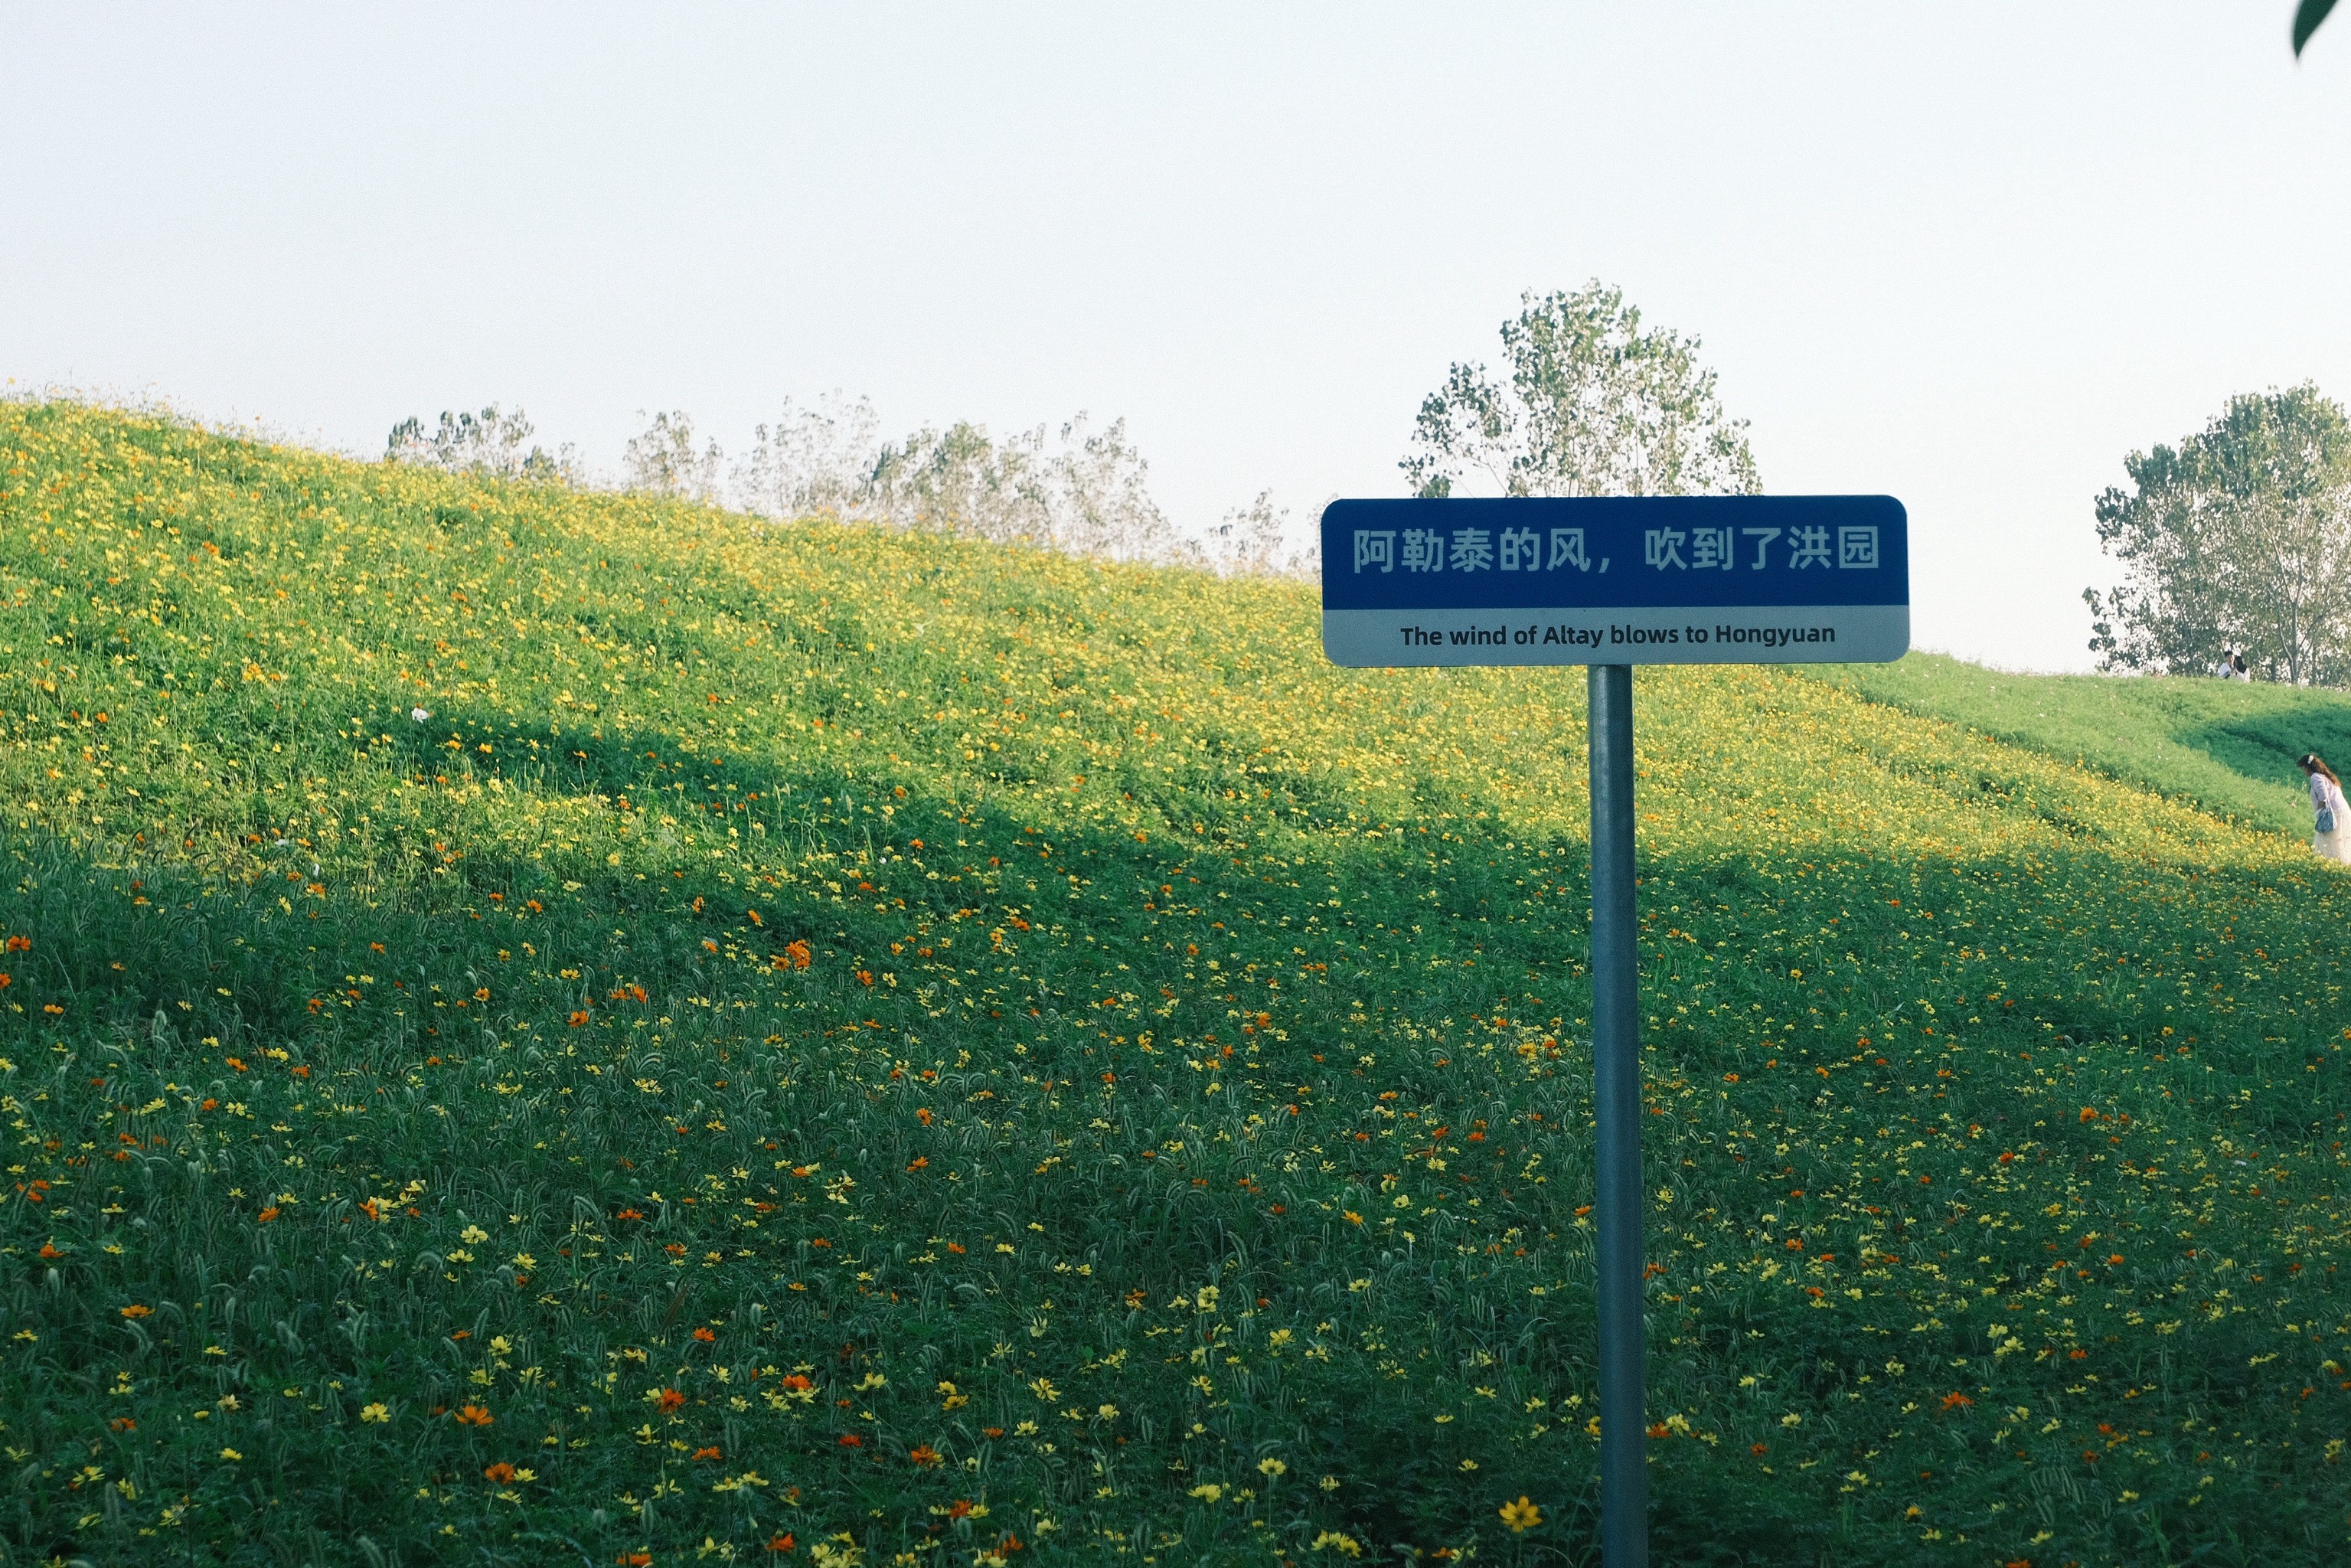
x=545 y=1026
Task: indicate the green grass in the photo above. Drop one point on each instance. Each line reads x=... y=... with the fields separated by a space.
x=428 y=1145
x=2224 y=746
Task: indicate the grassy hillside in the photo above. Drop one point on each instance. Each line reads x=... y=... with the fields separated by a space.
x=543 y=1027
x=2224 y=746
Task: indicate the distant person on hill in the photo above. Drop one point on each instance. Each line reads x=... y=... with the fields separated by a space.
x=2331 y=836
x=2237 y=665
x=2232 y=666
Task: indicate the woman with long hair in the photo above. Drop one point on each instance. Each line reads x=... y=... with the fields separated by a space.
x=2331 y=836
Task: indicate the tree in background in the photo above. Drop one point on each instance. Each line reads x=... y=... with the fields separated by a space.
x=1087 y=493
x=488 y=443
x=963 y=480
x=1255 y=540
x=662 y=460
x=1593 y=406
x=2240 y=538
x=813 y=460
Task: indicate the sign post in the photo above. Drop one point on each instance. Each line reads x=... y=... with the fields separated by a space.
x=1610 y=583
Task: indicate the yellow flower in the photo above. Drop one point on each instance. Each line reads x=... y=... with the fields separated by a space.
x=231 y=1453
x=379 y=1411
x=1520 y=1516
x=1272 y=1467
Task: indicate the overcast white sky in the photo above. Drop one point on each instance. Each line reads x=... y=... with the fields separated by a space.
x=1970 y=255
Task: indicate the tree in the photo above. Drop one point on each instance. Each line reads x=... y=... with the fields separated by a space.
x=663 y=461
x=813 y=460
x=962 y=481
x=488 y=443
x=1593 y=406
x=1254 y=541
x=2240 y=538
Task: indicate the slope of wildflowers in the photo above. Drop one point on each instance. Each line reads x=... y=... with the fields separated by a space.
x=2225 y=747
x=543 y=1027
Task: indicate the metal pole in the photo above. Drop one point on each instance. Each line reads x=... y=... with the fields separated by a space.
x=1616 y=1103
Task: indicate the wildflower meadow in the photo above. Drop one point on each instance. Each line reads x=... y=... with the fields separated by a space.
x=541 y=1026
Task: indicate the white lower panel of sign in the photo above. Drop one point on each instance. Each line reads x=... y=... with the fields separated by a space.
x=1822 y=635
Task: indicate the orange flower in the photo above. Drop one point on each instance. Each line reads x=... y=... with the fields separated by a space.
x=267 y=1214
x=634 y=1560
x=501 y=1472
x=922 y=1115
x=49 y=1249
x=782 y=1543
x=924 y=1455
x=1956 y=1401
x=919 y=1162
x=704 y=1335
x=851 y=1440
x=793 y=1380
x=20 y=944
x=123 y=1424
x=137 y=1312
x=578 y=1019
x=473 y=1416
x=629 y=1213
x=706 y=1453
x=670 y=1399
x=2089 y=1113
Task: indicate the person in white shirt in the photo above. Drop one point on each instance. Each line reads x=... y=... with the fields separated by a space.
x=2232 y=666
x=2331 y=834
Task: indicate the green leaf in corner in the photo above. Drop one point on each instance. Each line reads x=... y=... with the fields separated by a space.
x=2306 y=17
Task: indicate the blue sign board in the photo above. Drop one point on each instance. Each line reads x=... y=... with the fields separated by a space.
x=1648 y=579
